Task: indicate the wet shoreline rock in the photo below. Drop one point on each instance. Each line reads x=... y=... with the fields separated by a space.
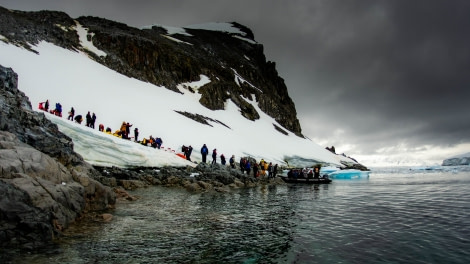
x=204 y=177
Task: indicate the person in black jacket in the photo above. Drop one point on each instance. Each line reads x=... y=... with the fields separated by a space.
x=88 y=119
x=46 y=106
x=255 y=169
x=78 y=119
x=93 y=120
x=128 y=130
x=214 y=156
x=188 y=152
x=71 y=114
x=222 y=159
x=136 y=134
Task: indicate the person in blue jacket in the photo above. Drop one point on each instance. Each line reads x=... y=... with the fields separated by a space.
x=58 y=109
x=247 y=167
x=232 y=161
x=158 y=142
x=204 y=152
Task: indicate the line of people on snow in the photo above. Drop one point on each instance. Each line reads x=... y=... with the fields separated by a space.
x=122 y=132
x=246 y=164
x=90 y=118
x=153 y=142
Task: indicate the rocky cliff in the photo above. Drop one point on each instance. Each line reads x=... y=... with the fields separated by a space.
x=152 y=55
x=45 y=185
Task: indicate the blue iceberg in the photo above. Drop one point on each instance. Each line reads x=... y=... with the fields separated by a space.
x=349 y=174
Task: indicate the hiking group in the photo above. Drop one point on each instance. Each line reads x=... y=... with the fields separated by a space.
x=246 y=164
x=123 y=132
x=45 y=106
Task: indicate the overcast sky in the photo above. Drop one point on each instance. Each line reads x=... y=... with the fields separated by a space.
x=387 y=82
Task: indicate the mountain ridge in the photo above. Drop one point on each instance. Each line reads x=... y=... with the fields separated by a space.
x=149 y=55
x=458 y=160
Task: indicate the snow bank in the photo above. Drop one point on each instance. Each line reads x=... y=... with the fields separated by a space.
x=102 y=149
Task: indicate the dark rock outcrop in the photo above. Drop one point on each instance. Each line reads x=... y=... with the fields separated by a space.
x=204 y=177
x=152 y=56
x=45 y=185
x=352 y=165
x=31 y=128
x=22 y=224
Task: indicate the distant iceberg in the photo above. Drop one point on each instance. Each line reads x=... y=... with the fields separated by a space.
x=459 y=160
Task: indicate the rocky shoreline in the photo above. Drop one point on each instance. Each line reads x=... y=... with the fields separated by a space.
x=204 y=177
x=47 y=187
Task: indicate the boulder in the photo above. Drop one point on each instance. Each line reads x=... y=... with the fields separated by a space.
x=22 y=224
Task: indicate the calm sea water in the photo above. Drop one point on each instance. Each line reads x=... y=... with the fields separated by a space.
x=394 y=216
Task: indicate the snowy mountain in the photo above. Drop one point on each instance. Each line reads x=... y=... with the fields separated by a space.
x=225 y=108
x=463 y=159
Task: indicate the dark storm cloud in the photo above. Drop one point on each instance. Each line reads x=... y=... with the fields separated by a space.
x=367 y=72
x=390 y=71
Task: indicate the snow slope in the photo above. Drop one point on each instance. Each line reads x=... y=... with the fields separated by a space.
x=103 y=149
x=75 y=80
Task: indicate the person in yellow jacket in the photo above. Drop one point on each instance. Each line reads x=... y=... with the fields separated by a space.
x=117 y=133
x=261 y=166
x=122 y=129
x=144 y=142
